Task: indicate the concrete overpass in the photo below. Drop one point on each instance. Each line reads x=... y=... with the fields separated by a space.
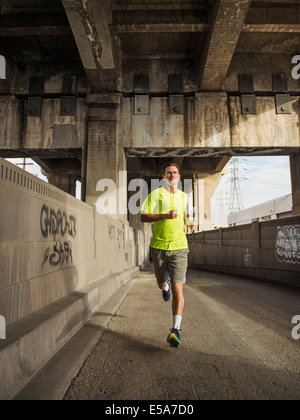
x=92 y=89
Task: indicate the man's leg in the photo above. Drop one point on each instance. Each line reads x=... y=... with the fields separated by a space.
x=177 y=307
x=178 y=299
x=161 y=272
x=178 y=268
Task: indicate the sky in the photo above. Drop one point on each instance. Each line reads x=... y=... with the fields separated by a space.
x=262 y=178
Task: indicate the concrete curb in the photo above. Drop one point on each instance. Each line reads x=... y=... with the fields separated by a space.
x=55 y=377
x=34 y=340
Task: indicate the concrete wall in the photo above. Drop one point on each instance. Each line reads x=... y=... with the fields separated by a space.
x=60 y=261
x=268 y=250
x=50 y=130
x=52 y=244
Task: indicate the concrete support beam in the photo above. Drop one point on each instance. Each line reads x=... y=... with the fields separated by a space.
x=283 y=18
x=158 y=27
x=106 y=156
x=295 y=178
x=272 y=28
x=100 y=11
x=228 y=20
x=35 y=31
x=79 y=31
x=89 y=21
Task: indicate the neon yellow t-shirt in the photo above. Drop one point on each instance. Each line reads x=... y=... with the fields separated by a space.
x=168 y=234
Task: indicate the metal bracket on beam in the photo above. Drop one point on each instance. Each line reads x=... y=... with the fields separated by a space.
x=175 y=83
x=177 y=104
x=68 y=106
x=141 y=105
x=283 y=104
x=248 y=98
x=34 y=106
x=282 y=99
x=36 y=85
x=34 y=103
x=141 y=97
x=246 y=84
x=176 y=94
x=279 y=83
x=248 y=104
x=141 y=84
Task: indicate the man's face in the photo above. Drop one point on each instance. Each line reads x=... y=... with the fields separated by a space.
x=172 y=176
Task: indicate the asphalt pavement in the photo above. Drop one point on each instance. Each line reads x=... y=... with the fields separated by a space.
x=237 y=344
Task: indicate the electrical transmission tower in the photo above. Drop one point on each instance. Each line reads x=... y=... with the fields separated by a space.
x=236 y=200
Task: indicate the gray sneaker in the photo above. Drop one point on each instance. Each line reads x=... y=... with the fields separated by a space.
x=167 y=295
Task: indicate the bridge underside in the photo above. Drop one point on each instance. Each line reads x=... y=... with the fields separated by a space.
x=93 y=88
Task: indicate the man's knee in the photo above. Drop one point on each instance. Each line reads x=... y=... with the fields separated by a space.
x=177 y=289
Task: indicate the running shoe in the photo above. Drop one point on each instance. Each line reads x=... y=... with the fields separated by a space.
x=167 y=295
x=174 y=338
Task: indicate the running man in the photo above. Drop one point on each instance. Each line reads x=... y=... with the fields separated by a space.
x=166 y=208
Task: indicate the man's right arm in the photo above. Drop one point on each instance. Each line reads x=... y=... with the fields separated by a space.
x=151 y=218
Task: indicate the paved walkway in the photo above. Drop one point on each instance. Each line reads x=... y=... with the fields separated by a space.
x=236 y=344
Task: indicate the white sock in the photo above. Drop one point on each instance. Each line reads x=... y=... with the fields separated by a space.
x=177 y=321
x=166 y=289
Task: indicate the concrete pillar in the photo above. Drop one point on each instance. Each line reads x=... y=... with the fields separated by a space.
x=295 y=178
x=65 y=182
x=204 y=189
x=106 y=161
x=202 y=203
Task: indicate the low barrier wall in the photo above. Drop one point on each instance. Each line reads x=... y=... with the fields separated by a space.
x=60 y=261
x=267 y=250
x=52 y=244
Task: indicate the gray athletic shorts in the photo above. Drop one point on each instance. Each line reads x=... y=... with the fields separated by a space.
x=171 y=264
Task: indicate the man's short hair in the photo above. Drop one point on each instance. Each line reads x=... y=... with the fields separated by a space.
x=171 y=164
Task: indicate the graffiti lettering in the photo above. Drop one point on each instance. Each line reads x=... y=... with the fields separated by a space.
x=60 y=254
x=56 y=223
x=287 y=247
x=111 y=232
x=248 y=259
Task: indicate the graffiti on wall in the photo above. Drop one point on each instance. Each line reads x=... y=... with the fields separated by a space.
x=248 y=259
x=116 y=234
x=287 y=247
x=57 y=224
x=54 y=223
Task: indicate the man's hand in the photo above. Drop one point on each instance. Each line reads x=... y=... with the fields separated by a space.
x=151 y=218
x=193 y=226
x=173 y=214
